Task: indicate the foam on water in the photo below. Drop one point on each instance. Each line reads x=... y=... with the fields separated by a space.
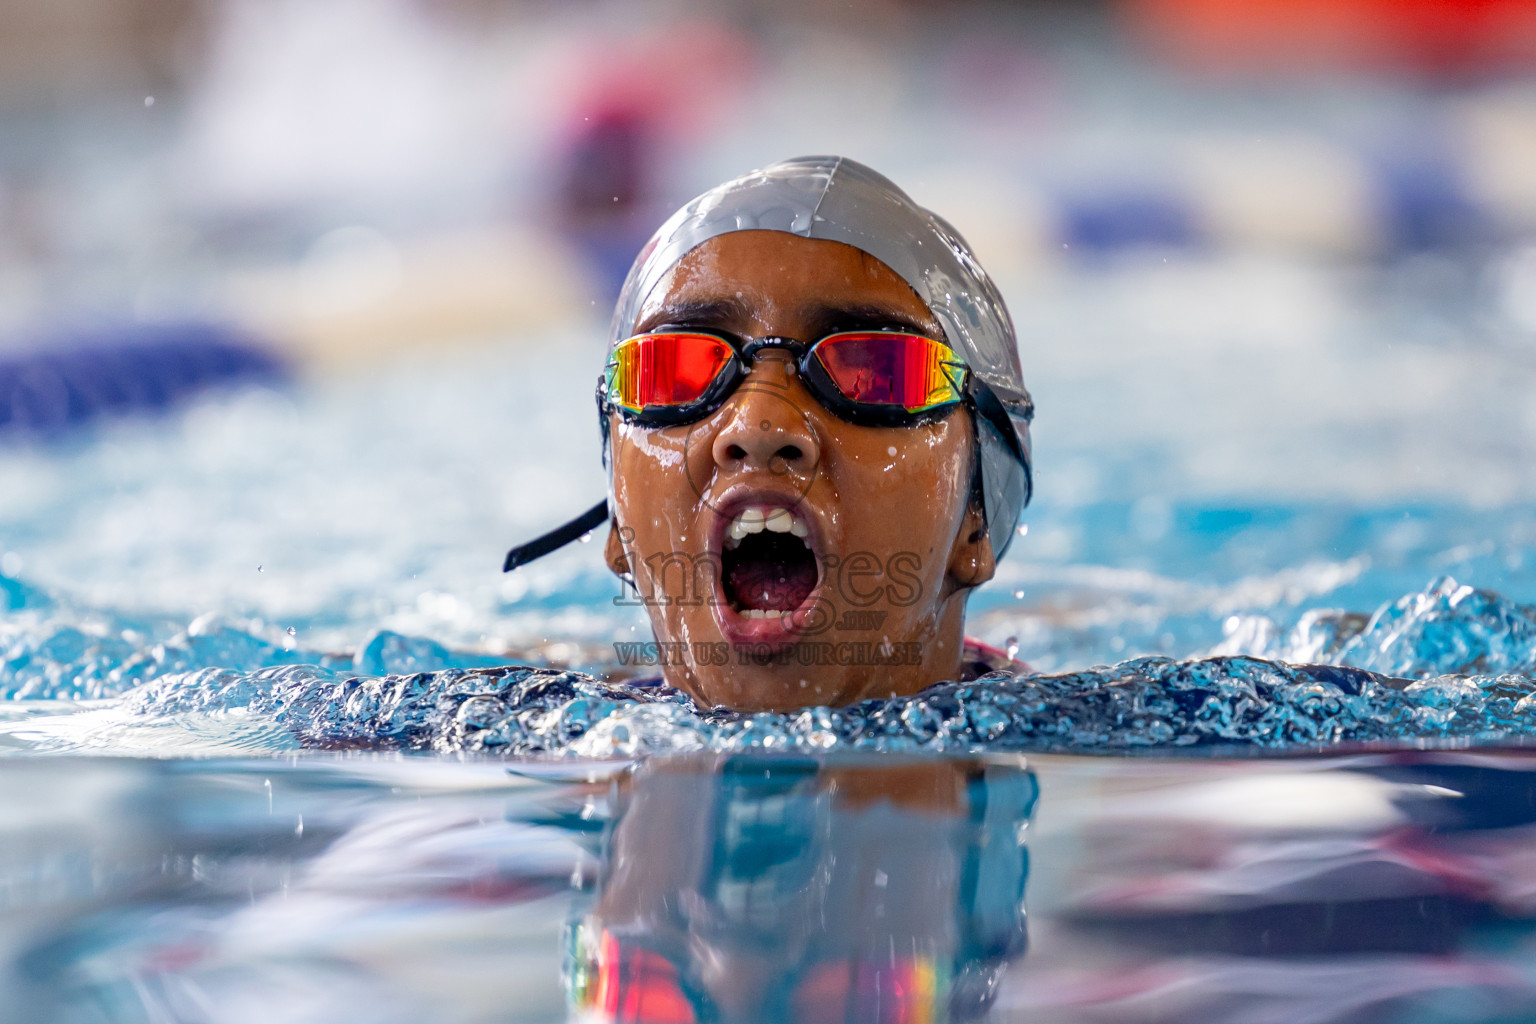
x=1449 y=663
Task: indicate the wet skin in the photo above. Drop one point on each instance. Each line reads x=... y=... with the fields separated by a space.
x=887 y=510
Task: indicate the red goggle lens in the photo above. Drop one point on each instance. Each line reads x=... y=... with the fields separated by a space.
x=607 y=982
x=652 y=370
x=885 y=368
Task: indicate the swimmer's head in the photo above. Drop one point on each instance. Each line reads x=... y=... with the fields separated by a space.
x=837 y=199
x=818 y=439
x=804 y=520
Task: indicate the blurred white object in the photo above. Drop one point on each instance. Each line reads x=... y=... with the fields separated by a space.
x=1282 y=191
x=349 y=102
x=357 y=294
x=1498 y=147
x=1516 y=283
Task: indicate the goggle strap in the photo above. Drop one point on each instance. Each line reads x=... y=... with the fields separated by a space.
x=557 y=538
x=991 y=408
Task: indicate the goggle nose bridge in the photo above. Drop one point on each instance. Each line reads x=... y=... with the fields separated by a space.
x=753 y=346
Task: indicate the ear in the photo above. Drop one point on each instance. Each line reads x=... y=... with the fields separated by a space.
x=971 y=562
x=614 y=553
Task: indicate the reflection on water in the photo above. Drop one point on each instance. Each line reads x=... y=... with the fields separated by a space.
x=362 y=890
x=751 y=888
x=1379 y=887
x=1384 y=888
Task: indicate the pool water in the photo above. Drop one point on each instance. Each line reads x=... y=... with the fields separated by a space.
x=265 y=759
x=1388 y=886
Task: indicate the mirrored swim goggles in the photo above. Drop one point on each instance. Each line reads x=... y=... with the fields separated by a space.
x=872 y=378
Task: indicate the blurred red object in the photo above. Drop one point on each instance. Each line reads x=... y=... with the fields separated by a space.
x=1454 y=37
x=630 y=105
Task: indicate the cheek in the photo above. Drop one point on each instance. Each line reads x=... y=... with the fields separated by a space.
x=924 y=469
x=646 y=450
x=907 y=490
x=650 y=485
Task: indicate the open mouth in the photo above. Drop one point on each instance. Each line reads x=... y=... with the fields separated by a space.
x=767 y=568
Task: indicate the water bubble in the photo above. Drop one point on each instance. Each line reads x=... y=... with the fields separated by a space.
x=891 y=450
x=1023 y=530
x=1011 y=646
x=293 y=631
x=260 y=568
x=149 y=101
x=586 y=538
x=1018 y=595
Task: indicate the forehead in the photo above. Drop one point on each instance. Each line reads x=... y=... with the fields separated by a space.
x=774 y=269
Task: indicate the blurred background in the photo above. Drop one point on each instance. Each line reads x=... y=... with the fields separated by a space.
x=1273 y=266
x=301 y=307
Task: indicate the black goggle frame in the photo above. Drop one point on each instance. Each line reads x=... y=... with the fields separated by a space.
x=975 y=392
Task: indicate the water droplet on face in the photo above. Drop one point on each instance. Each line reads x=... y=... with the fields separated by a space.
x=891 y=450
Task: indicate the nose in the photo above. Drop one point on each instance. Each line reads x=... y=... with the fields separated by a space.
x=768 y=426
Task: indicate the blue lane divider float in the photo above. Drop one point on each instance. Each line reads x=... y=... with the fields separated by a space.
x=1387 y=196
x=1110 y=220
x=1412 y=205
x=1424 y=201
x=55 y=384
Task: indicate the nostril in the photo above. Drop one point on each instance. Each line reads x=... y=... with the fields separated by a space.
x=790 y=453
x=736 y=452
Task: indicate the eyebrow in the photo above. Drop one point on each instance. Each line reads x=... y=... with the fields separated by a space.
x=716 y=313
x=819 y=318
x=824 y=319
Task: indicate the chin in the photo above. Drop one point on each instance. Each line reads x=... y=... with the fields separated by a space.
x=833 y=670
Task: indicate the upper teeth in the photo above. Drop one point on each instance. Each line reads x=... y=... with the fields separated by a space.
x=756 y=520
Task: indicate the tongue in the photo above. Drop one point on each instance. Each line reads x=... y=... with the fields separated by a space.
x=771 y=573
